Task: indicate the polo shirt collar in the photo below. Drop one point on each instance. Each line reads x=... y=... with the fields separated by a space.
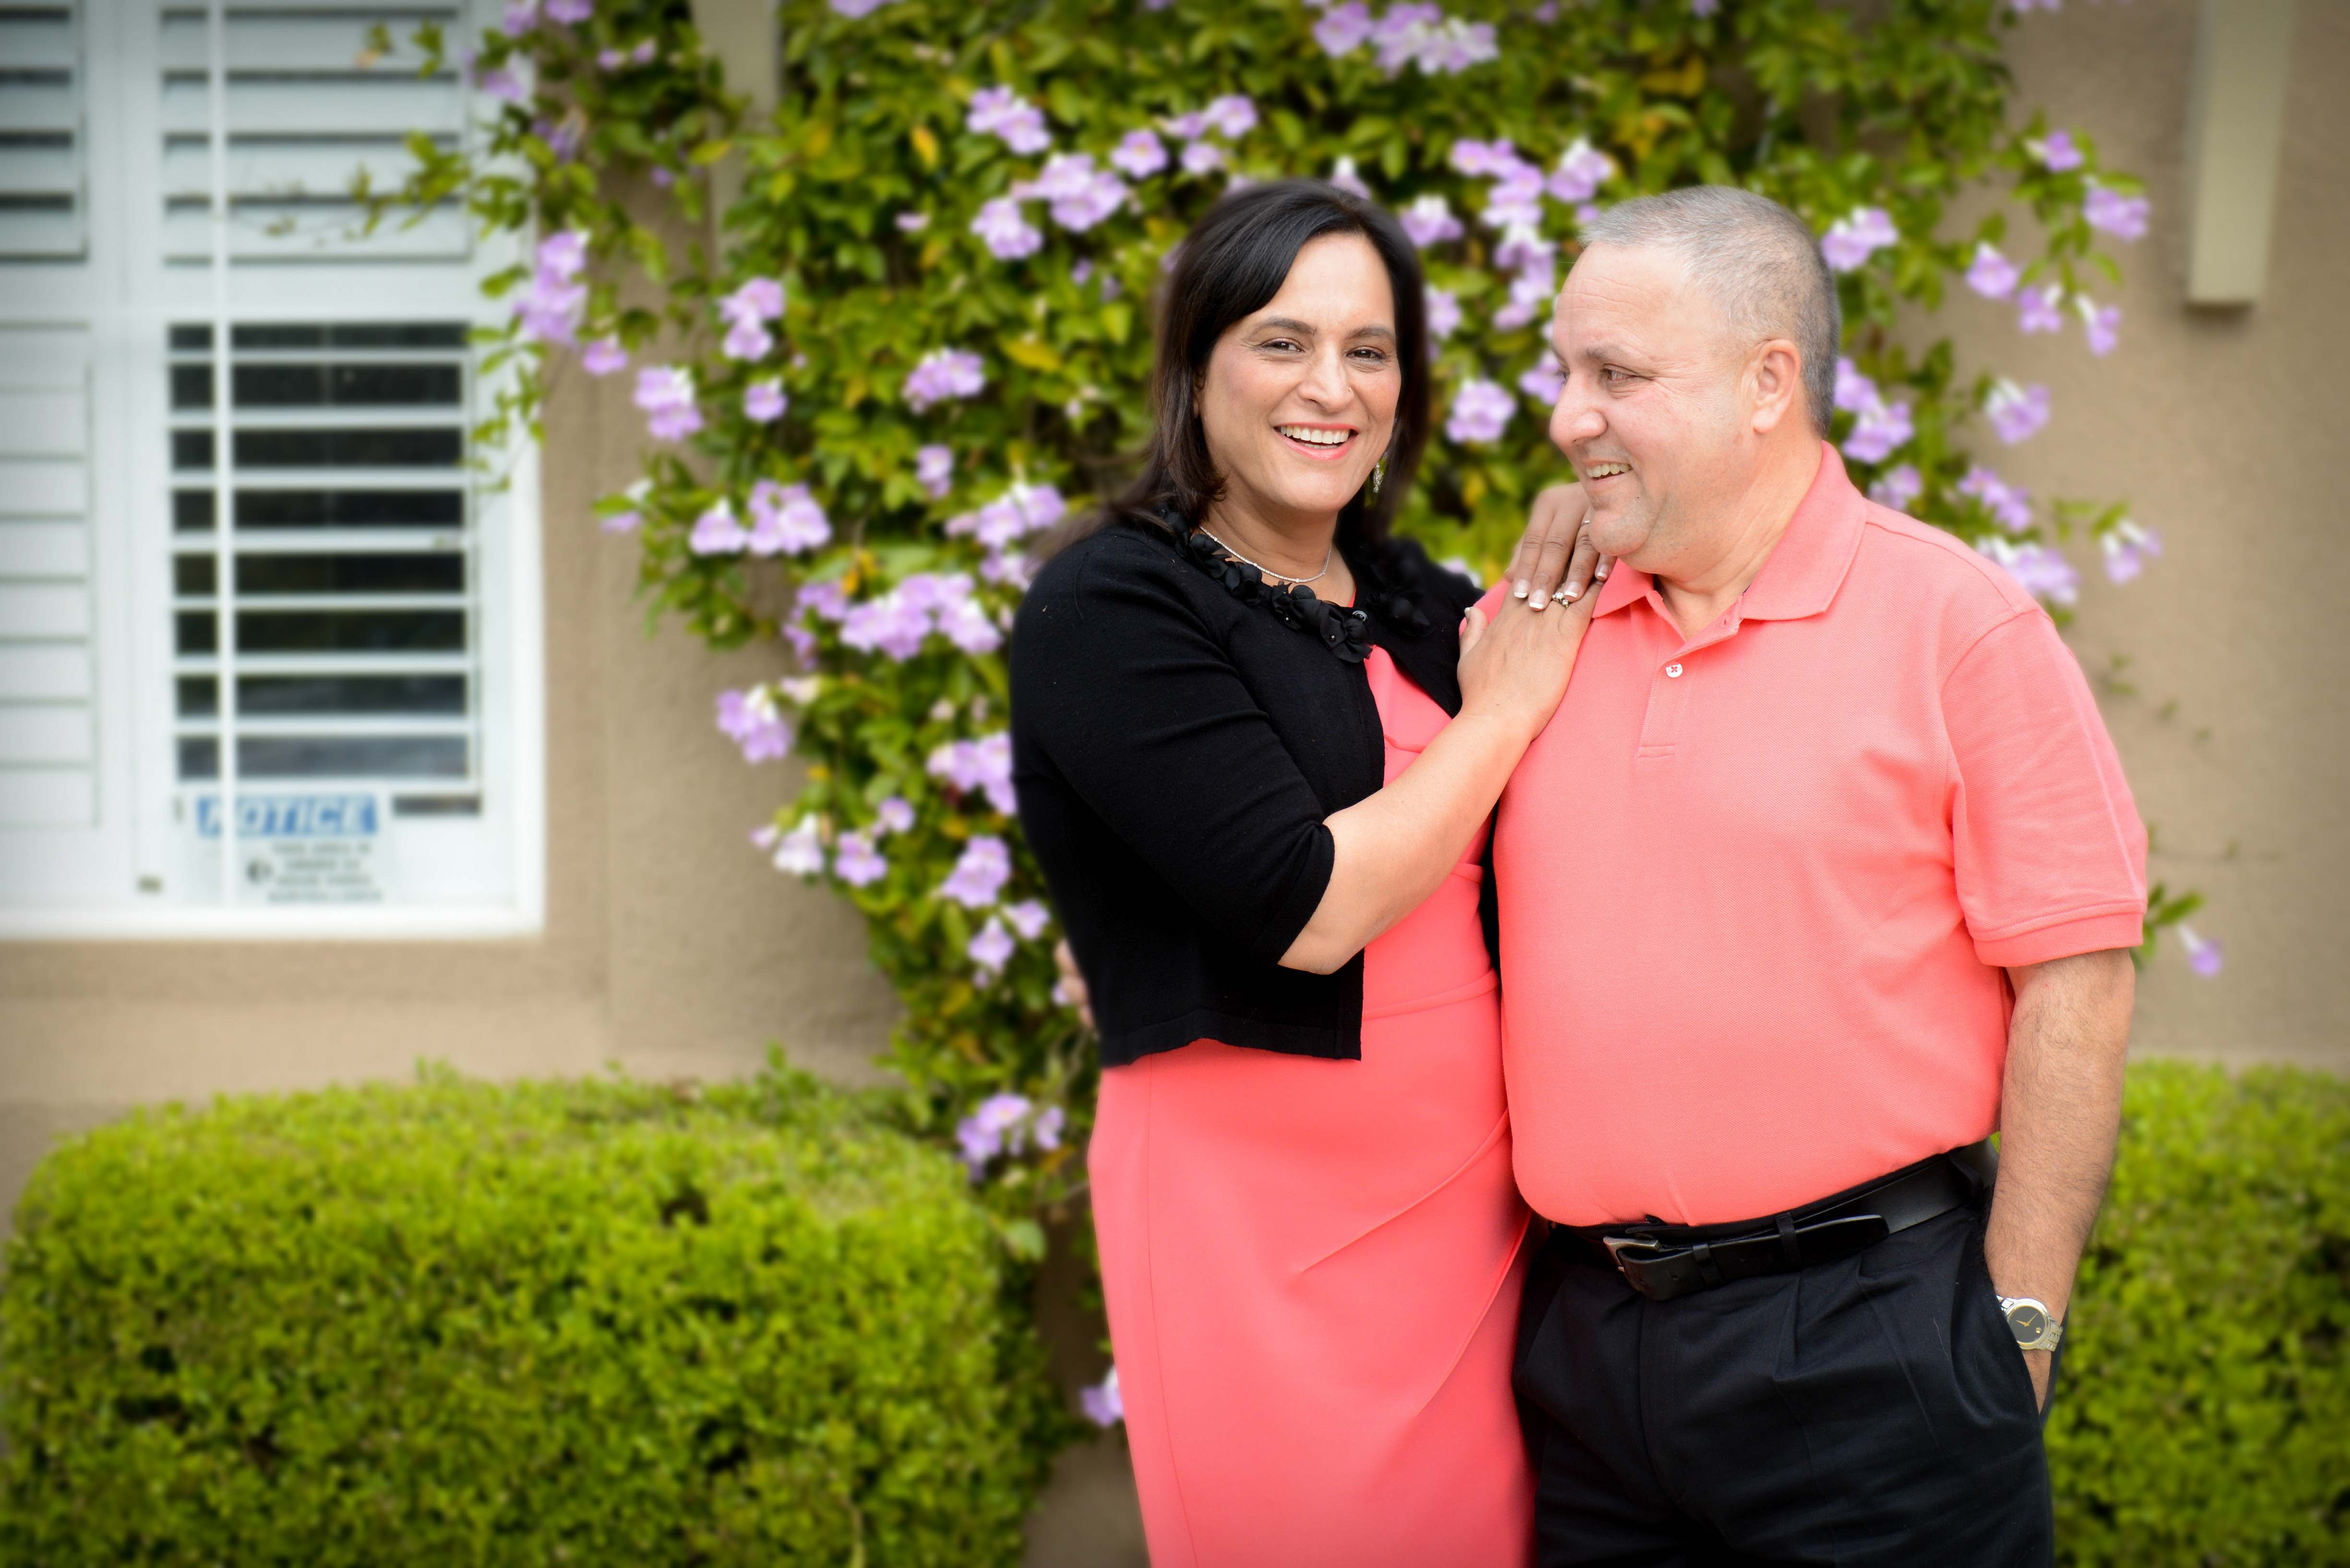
x=1806 y=566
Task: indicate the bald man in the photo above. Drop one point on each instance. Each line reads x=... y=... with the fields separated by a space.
x=1865 y=883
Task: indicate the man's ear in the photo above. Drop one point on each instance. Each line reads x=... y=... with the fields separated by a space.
x=1775 y=375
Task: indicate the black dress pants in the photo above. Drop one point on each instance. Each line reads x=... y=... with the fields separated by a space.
x=1870 y=1411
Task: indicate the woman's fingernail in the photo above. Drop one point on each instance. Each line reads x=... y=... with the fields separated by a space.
x=1521 y=590
x=1539 y=599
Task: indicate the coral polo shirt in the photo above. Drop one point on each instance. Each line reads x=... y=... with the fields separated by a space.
x=1759 y=886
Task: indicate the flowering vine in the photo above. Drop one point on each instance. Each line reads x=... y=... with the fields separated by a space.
x=924 y=340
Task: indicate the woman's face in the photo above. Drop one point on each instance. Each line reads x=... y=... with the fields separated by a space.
x=1299 y=398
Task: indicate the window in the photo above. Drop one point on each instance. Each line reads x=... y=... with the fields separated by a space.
x=267 y=640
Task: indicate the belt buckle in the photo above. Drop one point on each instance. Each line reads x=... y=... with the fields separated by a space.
x=1618 y=1245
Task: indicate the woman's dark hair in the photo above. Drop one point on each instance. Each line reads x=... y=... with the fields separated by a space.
x=1232 y=262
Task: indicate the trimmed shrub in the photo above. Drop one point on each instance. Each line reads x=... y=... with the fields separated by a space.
x=2204 y=1417
x=592 y=1323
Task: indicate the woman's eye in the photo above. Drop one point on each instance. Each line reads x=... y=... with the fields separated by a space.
x=1277 y=343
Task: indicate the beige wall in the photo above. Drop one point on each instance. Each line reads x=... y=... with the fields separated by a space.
x=672 y=948
x=2229 y=431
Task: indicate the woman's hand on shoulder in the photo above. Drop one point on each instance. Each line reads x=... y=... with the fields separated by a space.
x=1555 y=558
x=1514 y=664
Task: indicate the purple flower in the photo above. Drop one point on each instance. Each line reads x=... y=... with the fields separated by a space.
x=894 y=624
x=1530 y=294
x=893 y=816
x=1443 y=312
x=2102 y=322
x=1481 y=158
x=1580 y=170
x=1231 y=116
x=1452 y=46
x=1343 y=29
x=800 y=852
x=1704 y=7
x=1080 y=194
x=993 y=1127
x=984 y=765
x=1898 y=487
x=764 y=401
x=941 y=374
x=2017 y=413
x=962 y=619
x=1429 y=222
x=646 y=49
x=934 y=470
x=1544 y=382
x=2124 y=217
x=1991 y=274
x=1851 y=241
x=2042 y=309
x=2010 y=505
x=665 y=392
x=746 y=310
x=1000 y=111
x=1343 y=175
x=610 y=59
x=1006 y=231
x=2037 y=570
x=1880 y=428
x=716 y=532
x=1854 y=392
x=785 y=520
x=500 y=83
x=569 y=12
x=1029 y=917
x=752 y=721
x=603 y=356
x=551 y=304
x=2204 y=954
x=1514 y=201
x=1202 y=157
x=1104 y=1405
x=2127 y=546
x=979 y=874
x=910 y=222
x=2057 y=153
x=857 y=10
x=562 y=254
x=1480 y=411
x=1139 y=154
x=855 y=862
x=521 y=17
x=1187 y=127
x=1523 y=249
x=991 y=950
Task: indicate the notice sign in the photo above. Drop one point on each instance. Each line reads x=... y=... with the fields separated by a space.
x=303 y=848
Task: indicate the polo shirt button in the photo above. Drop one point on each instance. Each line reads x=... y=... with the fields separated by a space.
x=1674 y=671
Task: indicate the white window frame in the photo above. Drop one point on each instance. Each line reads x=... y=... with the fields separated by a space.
x=126 y=298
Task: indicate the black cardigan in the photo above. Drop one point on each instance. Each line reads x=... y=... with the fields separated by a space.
x=1176 y=748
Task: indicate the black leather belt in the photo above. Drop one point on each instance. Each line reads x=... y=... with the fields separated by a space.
x=1662 y=1261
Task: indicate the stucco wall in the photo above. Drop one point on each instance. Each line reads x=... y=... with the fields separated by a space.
x=2228 y=430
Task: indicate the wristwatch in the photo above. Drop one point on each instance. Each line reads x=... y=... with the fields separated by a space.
x=2030 y=1321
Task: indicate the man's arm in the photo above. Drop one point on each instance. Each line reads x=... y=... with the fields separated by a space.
x=2060 y=1113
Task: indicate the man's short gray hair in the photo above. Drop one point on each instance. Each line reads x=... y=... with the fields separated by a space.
x=1760 y=262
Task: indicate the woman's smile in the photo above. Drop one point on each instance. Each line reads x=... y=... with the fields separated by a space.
x=1322 y=443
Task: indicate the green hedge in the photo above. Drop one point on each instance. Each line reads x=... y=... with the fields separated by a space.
x=590 y=1324
x=598 y=1322
x=2205 y=1413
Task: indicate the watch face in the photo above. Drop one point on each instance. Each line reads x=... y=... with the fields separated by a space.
x=2028 y=1322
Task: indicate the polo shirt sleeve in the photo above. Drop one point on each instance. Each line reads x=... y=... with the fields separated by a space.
x=2049 y=853
x=1143 y=715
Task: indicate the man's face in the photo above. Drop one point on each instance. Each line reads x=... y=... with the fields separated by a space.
x=1653 y=414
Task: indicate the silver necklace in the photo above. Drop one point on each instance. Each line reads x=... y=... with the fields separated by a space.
x=1268 y=572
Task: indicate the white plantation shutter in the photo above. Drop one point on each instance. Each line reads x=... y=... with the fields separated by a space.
x=41 y=139
x=266 y=638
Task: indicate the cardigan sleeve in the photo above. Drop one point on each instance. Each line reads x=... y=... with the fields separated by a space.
x=1132 y=701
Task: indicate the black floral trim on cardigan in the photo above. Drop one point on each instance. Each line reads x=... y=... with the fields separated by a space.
x=1344 y=631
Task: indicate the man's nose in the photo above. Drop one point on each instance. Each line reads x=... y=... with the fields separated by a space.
x=1575 y=418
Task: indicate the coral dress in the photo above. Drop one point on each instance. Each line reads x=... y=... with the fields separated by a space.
x=1311 y=1266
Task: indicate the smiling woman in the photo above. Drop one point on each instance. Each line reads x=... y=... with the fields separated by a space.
x=1268 y=850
